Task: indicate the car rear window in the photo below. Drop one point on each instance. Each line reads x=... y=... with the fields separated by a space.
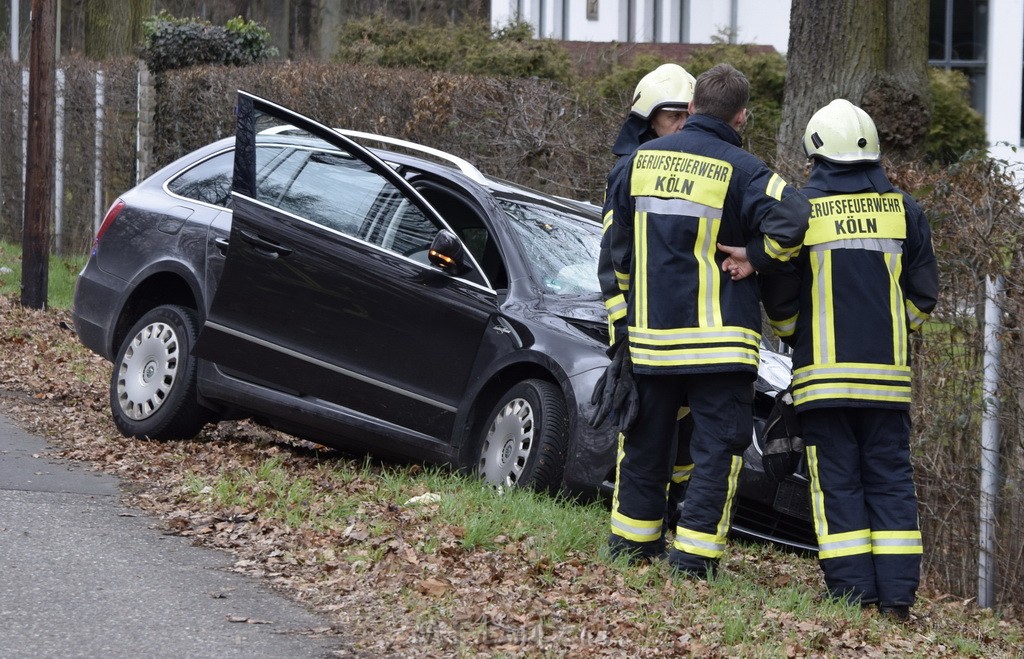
x=210 y=180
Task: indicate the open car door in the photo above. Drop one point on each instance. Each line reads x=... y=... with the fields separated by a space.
x=328 y=306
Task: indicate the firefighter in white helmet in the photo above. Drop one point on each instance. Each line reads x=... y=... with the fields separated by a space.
x=659 y=107
x=865 y=279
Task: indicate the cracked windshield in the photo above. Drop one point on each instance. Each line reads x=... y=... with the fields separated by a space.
x=562 y=248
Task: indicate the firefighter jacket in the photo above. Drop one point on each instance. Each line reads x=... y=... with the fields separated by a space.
x=865 y=279
x=634 y=132
x=678 y=197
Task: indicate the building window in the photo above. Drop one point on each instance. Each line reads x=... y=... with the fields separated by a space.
x=591 y=10
x=958 y=39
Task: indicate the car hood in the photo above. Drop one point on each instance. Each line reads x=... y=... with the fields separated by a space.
x=585 y=312
x=577 y=307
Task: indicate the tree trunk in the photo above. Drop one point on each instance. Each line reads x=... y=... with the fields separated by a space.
x=873 y=53
x=114 y=27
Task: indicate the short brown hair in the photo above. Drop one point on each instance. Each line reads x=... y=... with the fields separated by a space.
x=721 y=91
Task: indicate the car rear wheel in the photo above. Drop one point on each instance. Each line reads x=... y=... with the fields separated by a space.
x=526 y=436
x=153 y=386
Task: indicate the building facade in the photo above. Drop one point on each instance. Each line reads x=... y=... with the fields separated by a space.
x=982 y=38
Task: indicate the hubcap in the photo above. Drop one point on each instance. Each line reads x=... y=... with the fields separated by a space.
x=147 y=372
x=508 y=443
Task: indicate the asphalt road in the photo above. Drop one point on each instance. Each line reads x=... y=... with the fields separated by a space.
x=83 y=576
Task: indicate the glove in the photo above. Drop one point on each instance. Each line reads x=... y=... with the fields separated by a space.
x=783 y=446
x=614 y=393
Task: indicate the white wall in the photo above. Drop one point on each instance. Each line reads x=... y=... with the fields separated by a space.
x=1003 y=79
x=764 y=22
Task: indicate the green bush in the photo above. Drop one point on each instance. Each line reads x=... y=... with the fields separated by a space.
x=956 y=128
x=176 y=43
x=765 y=70
x=470 y=47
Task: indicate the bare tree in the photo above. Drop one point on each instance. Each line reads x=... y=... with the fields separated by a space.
x=873 y=53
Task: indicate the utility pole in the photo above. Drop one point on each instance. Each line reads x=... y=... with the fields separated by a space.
x=35 y=252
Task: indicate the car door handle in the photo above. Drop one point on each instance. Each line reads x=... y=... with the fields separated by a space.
x=265 y=247
x=222 y=245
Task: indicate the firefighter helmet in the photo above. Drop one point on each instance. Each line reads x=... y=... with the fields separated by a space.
x=668 y=87
x=843 y=133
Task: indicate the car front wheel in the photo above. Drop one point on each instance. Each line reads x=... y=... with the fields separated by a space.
x=153 y=386
x=526 y=437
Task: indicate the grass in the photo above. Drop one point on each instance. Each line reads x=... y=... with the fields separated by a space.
x=63 y=272
x=765 y=603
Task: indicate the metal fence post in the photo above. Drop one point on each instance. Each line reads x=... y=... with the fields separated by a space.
x=994 y=287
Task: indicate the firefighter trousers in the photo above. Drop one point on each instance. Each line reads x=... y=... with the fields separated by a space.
x=864 y=503
x=721 y=411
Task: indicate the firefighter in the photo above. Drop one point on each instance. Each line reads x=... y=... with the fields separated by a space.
x=660 y=107
x=865 y=279
x=693 y=331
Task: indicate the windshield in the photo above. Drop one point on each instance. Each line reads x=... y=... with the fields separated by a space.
x=562 y=248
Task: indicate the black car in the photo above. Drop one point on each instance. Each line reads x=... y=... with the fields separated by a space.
x=362 y=298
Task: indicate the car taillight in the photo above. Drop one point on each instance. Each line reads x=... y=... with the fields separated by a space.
x=108 y=219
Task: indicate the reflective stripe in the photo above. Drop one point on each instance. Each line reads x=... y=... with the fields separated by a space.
x=897 y=311
x=784 y=327
x=851 y=543
x=915 y=316
x=852 y=370
x=776 y=184
x=851 y=392
x=653 y=336
x=623 y=279
x=817 y=496
x=682 y=473
x=700 y=544
x=706 y=544
x=773 y=249
x=681 y=207
x=896 y=542
x=822 y=326
x=640 y=267
x=693 y=356
x=682 y=413
x=885 y=245
x=621 y=525
x=606 y=221
x=619 y=454
x=616 y=306
x=709 y=280
x=734 y=479
x=637 y=530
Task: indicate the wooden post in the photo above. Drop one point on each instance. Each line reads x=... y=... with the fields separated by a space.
x=39 y=175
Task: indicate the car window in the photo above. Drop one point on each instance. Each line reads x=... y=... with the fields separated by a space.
x=210 y=180
x=561 y=248
x=409 y=232
x=331 y=189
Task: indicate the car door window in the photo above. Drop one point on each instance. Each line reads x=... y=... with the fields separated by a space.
x=409 y=232
x=331 y=189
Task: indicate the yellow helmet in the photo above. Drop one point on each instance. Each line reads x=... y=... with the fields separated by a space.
x=843 y=133
x=668 y=87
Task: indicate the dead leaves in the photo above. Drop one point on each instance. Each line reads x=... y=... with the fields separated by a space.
x=394 y=575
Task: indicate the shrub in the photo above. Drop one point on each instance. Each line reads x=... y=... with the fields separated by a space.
x=470 y=47
x=176 y=43
x=956 y=128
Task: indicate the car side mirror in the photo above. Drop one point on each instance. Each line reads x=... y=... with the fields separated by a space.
x=447 y=253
